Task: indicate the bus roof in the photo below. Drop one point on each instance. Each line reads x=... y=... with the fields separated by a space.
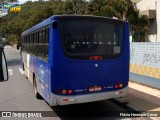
x=41 y=24
x=48 y=21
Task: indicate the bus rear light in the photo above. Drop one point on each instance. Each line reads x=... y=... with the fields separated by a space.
x=116 y=86
x=96 y=58
x=64 y=92
x=70 y=91
x=57 y=91
x=65 y=100
x=121 y=92
x=120 y=85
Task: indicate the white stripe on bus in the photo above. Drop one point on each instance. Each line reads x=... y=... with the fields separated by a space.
x=28 y=59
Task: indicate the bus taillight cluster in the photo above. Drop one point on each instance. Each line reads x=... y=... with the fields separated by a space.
x=95 y=58
x=64 y=92
x=118 y=86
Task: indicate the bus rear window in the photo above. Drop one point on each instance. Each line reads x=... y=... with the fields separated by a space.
x=86 y=38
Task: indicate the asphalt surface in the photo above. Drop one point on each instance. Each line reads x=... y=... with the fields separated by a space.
x=17 y=94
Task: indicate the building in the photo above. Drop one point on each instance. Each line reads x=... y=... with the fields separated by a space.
x=151 y=8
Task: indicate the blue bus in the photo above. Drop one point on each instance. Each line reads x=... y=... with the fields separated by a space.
x=73 y=59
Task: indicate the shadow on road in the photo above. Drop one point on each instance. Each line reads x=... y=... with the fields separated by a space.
x=13 y=62
x=94 y=110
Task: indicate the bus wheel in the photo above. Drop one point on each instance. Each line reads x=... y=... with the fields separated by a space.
x=37 y=95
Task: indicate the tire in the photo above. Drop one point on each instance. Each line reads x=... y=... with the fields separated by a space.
x=37 y=95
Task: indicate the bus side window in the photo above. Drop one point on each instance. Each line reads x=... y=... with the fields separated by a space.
x=38 y=36
x=38 y=45
x=41 y=44
x=27 y=44
x=46 y=44
x=43 y=36
x=35 y=43
x=34 y=40
x=47 y=35
x=30 y=44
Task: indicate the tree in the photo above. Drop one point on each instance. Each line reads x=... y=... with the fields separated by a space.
x=126 y=10
x=13 y=24
x=76 y=7
x=119 y=8
x=94 y=7
x=139 y=25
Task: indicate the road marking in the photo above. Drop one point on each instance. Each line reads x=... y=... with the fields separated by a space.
x=21 y=71
x=10 y=72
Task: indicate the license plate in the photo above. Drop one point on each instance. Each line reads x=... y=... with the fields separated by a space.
x=96 y=88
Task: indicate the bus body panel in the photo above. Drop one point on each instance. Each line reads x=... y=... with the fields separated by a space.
x=42 y=72
x=82 y=74
x=76 y=99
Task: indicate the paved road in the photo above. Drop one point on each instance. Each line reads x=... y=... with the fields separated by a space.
x=17 y=94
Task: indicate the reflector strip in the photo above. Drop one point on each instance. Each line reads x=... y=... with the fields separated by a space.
x=96 y=58
x=65 y=100
x=120 y=92
x=68 y=100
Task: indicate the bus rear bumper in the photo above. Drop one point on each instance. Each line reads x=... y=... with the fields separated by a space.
x=65 y=100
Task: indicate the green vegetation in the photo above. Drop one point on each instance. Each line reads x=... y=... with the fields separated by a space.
x=13 y=24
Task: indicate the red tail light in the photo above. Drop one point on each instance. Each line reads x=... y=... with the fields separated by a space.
x=57 y=91
x=116 y=86
x=70 y=91
x=96 y=58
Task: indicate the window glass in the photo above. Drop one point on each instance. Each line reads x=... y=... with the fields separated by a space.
x=37 y=44
x=46 y=44
x=81 y=37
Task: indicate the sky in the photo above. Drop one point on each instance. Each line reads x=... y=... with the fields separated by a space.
x=23 y=1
